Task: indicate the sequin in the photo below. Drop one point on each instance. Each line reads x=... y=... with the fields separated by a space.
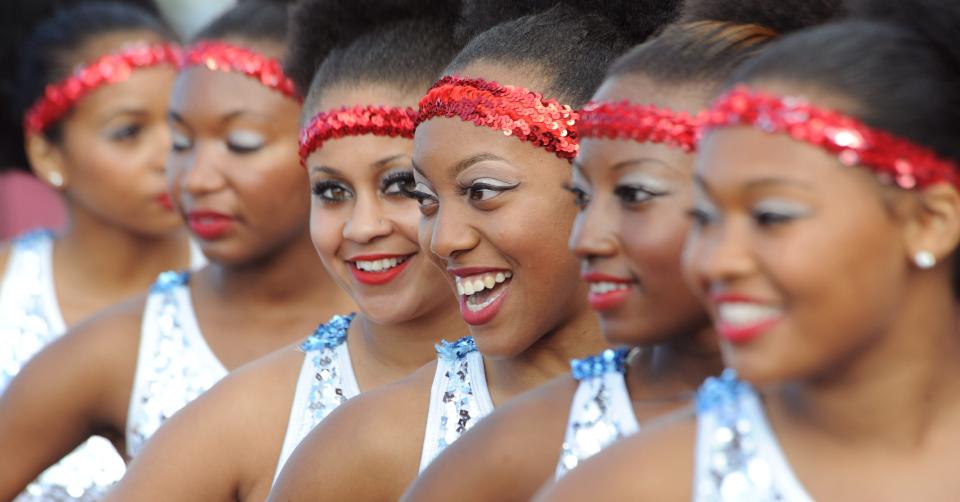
x=327 y=391
x=355 y=121
x=175 y=366
x=514 y=110
x=601 y=412
x=221 y=56
x=640 y=123
x=29 y=320
x=58 y=98
x=906 y=164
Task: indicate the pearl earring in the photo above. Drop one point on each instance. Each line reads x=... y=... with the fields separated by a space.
x=55 y=179
x=924 y=260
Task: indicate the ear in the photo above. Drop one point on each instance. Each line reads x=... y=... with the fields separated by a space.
x=934 y=226
x=46 y=160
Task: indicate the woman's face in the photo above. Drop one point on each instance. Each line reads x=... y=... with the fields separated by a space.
x=799 y=259
x=496 y=215
x=362 y=224
x=630 y=231
x=115 y=142
x=234 y=171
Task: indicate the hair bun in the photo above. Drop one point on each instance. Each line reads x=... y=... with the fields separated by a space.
x=935 y=20
x=782 y=16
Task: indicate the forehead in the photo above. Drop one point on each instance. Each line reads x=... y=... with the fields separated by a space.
x=199 y=94
x=112 y=42
x=642 y=90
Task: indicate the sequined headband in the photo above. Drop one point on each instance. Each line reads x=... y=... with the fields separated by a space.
x=356 y=121
x=60 y=97
x=217 y=55
x=894 y=159
x=641 y=123
x=514 y=110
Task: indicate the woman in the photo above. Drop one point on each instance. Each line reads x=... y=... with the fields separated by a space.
x=634 y=185
x=101 y=141
x=377 y=59
x=234 y=177
x=484 y=198
x=827 y=263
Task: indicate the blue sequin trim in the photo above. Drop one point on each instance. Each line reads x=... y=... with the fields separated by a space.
x=330 y=335
x=608 y=361
x=169 y=280
x=33 y=236
x=456 y=350
x=721 y=392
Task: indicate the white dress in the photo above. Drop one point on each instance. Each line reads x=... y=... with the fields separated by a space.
x=601 y=412
x=174 y=366
x=458 y=399
x=326 y=381
x=738 y=459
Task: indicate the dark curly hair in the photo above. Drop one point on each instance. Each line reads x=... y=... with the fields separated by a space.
x=251 y=20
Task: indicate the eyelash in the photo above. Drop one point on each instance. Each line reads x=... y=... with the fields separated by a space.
x=628 y=194
x=126 y=133
x=472 y=190
x=321 y=187
x=242 y=149
x=580 y=196
x=403 y=180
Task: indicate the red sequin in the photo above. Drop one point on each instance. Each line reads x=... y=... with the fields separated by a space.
x=222 y=56
x=641 y=123
x=60 y=97
x=894 y=159
x=356 y=121
x=514 y=110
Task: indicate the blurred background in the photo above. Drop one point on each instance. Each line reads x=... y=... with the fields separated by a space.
x=25 y=202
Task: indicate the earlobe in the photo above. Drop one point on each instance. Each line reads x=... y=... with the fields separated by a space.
x=933 y=232
x=46 y=160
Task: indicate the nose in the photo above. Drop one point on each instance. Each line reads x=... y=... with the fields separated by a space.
x=450 y=232
x=160 y=146
x=367 y=222
x=593 y=234
x=718 y=254
x=198 y=170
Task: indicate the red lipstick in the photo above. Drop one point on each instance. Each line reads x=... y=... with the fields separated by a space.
x=602 y=302
x=741 y=333
x=489 y=312
x=378 y=278
x=209 y=225
x=165 y=201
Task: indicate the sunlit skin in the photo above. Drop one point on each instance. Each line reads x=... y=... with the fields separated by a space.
x=225 y=445
x=631 y=227
x=861 y=385
x=110 y=156
x=500 y=204
x=263 y=290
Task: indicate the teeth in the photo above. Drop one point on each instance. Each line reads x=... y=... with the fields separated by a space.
x=600 y=288
x=468 y=286
x=379 y=265
x=745 y=313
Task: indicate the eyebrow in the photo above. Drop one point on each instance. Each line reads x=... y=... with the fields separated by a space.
x=642 y=160
x=375 y=166
x=227 y=117
x=468 y=162
x=139 y=112
x=756 y=184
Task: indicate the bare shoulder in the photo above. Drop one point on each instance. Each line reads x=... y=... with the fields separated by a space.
x=379 y=431
x=518 y=445
x=225 y=442
x=654 y=465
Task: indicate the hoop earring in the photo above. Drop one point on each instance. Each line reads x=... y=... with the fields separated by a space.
x=924 y=260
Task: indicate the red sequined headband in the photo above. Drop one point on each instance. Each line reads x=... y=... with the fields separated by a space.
x=514 y=110
x=60 y=97
x=894 y=159
x=219 y=55
x=356 y=121
x=641 y=123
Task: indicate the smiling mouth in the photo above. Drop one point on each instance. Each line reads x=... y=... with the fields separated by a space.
x=378 y=270
x=382 y=265
x=480 y=291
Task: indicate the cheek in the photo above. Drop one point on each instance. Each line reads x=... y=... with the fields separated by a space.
x=653 y=242
x=326 y=227
x=406 y=216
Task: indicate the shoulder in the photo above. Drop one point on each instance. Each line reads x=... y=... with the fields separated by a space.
x=654 y=465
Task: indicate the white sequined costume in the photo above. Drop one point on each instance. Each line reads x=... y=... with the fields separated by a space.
x=458 y=399
x=174 y=366
x=601 y=412
x=326 y=381
x=30 y=319
x=738 y=459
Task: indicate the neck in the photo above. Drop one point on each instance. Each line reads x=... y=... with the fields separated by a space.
x=121 y=261
x=546 y=359
x=286 y=278
x=892 y=393
x=676 y=368
x=398 y=349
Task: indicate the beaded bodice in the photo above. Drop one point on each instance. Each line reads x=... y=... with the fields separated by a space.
x=326 y=381
x=174 y=366
x=459 y=397
x=601 y=412
x=738 y=458
x=29 y=320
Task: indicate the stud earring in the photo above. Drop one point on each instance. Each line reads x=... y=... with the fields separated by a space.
x=924 y=260
x=55 y=179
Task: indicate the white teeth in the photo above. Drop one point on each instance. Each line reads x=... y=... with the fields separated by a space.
x=746 y=313
x=379 y=265
x=600 y=288
x=471 y=285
